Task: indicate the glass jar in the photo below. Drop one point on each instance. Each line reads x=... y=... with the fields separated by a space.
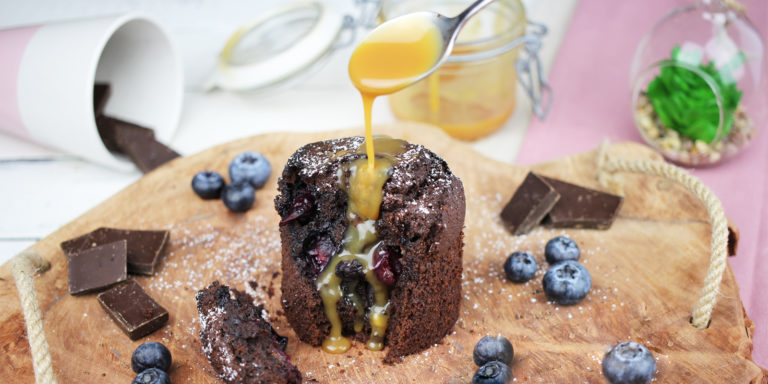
x=699 y=83
x=473 y=93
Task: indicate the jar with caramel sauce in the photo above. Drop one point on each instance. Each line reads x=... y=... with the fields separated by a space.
x=474 y=92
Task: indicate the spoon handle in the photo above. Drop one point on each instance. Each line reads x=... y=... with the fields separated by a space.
x=471 y=10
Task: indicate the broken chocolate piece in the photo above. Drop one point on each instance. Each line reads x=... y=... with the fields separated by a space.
x=101 y=93
x=144 y=247
x=146 y=152
x=134 y=311
x=115 y=133
x=135 y=141
x=530 y=203
x=97 y=268
x=733 y=238
x=581 y=207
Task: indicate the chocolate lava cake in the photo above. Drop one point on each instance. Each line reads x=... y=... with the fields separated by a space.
x=239 y=342
x=417 y=253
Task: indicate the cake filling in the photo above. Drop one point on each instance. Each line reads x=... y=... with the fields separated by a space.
x=361 y=244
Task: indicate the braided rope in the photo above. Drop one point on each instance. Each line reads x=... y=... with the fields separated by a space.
x=23 y=267
x=735 y=5
x=702 y=311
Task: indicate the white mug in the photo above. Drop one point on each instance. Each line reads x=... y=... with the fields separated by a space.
x=47 y=75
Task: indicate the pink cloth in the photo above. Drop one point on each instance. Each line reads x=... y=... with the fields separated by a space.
x=13 y=43
x=590 y=78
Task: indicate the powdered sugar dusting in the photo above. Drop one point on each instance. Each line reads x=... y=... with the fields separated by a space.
x=202 y=251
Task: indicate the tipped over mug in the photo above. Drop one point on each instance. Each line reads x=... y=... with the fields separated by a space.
x=48 y=73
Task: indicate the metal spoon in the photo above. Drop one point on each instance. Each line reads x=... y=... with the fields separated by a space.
x=449 y=29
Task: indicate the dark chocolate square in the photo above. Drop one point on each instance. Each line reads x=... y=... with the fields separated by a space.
x=115 y=133
x=144 y=247
x=530 y=203
x=101 y=93
x=733 y=239
x=581 y=207
x=134 y=141
x=97 y=268
x=148 y=153
x=132 y=309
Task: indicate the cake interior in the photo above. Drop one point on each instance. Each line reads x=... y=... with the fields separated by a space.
x=363 y=252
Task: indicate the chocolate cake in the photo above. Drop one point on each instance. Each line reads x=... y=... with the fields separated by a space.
x=239 y=342
x=395 y=275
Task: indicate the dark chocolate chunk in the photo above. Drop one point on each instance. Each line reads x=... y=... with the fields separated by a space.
x=144 y=247
x=135 y=141
x=97 y=268
x=116 y=133
x=531 y=202
x=134 y=311
x=581 y=207
x=146 y=152
x=101 y=93
x=733 y=238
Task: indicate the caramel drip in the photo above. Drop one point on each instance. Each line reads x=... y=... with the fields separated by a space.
x=360 y=242
x=389 y=59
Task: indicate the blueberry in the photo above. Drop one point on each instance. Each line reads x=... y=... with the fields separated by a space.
x=252 y=167
x=561 y=248
x=238 y=197
x=151 y=355
x=493 y=372
x=152 y=376
x=493 y=349
x=320 y=252
x=520 y=267
x=208 y=184
x=567 y=282
x=302 y=205
x=386 y=265
x=629 y=363
x=350 y=271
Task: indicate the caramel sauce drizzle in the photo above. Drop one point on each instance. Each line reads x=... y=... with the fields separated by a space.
x=360 y=241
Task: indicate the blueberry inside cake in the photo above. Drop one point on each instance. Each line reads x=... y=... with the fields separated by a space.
x=371 y=248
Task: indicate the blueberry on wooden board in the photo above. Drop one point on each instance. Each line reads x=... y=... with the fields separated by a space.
x=238 y=197
x=151 y=355
x=493 y=372
x=561 y=248
x=567 y=282
x=252 y=167
x=629 y=362
x=152 y=376
x=208 y=184
x=491 y=348
x=520 y=267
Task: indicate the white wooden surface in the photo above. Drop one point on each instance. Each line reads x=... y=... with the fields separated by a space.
x=43 y=189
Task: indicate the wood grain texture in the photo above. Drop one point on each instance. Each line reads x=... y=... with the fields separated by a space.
x=647 y=271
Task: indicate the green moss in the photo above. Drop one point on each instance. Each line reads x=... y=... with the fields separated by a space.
x=684 y=101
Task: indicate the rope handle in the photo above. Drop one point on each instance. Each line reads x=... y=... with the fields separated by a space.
x=23 y=266
x=607 y=165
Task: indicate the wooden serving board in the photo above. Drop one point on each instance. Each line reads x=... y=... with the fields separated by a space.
x=647 y=271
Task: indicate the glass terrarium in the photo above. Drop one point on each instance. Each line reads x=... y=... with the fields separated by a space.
x=699 y=83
